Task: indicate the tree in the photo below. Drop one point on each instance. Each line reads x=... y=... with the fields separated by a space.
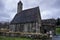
x=58 y=21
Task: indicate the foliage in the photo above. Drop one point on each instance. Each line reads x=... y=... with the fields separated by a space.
x=58 y=21
x=23 y=38
x=13 y=38
x=57 y=30
x=44 y=37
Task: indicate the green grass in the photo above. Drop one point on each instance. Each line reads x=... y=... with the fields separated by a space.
x=13 y=38
x=57 y=30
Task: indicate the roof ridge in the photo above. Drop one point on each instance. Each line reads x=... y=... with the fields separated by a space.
x=31 y=8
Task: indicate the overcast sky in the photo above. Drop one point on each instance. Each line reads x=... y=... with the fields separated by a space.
x=48 y=8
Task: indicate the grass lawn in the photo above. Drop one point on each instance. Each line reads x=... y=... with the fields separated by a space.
x=13 y=38
x=57 y=30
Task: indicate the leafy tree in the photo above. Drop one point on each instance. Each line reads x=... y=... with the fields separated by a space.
x=58 y=21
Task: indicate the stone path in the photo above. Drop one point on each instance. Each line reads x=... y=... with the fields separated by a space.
x=57 y=37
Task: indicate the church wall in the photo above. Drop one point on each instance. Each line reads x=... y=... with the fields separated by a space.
x=34 y=27
x=38 y=23
x=17 y=27
x=12 y=28
x=20 y=27
x=30 y=27
x=37 y=28
x=27 y=27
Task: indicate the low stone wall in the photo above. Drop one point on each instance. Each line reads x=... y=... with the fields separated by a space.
x=32 y=36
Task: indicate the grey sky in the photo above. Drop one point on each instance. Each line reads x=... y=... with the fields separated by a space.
x=48 y=8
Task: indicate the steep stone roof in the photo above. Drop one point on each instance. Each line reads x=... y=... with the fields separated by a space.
x=29 y=15
x=51 y=22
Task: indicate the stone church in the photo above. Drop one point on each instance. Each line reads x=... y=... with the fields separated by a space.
x=28 y=20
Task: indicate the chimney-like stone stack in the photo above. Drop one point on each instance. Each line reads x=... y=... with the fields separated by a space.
x=19 y=7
